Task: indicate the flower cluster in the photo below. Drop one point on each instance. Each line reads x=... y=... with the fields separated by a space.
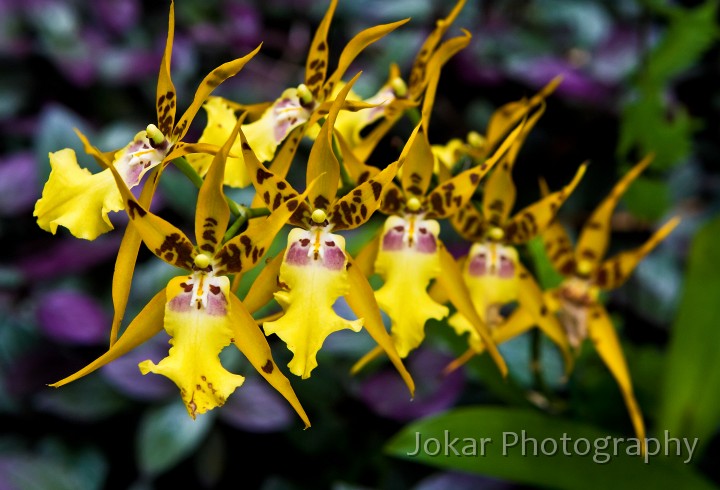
x=426 y=187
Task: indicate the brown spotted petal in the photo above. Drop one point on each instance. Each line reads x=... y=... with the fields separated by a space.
x=355 y=208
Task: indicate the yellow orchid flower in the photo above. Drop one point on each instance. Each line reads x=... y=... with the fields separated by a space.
x=477 y=146
x=197 y=309
x=409 y=254
x=492 y=271
x=397 y=95
x=575 y=301
x=315 y=269
x=80 y=201
x=296 y=110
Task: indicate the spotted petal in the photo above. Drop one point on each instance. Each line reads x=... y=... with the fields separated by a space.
x=613 y=272
x=595 y=235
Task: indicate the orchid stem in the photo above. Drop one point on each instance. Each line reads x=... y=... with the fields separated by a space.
x=247 y=214
x=182 y=164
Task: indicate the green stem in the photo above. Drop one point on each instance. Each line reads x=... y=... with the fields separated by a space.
x=414 y=115
x=182 y=164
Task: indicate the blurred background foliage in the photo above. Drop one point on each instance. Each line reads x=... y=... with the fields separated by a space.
x=639 y=76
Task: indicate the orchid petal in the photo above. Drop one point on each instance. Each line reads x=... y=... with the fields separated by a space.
x=451 y=281
x=165 y=94
x=209 y=83
x=356 y=207
x=213 y=213
x=162 y=238
x=249 y=339
x=316 y=64
x=418 y=76
x=198 y=334
x=533 y=219
x=76 y=199
x=418 y=161
x=407 y=269
x=595 y=235
x=125 y=262
x=613 y=272
x=322 y=162
x=602 y=333
x=312 y=276
x=362 y=301
x=353 y=48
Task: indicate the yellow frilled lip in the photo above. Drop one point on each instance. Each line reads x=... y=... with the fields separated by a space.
x=313 y=275
x=407 y=261
x=491 y=276
x=77 y=199
x=197 y=316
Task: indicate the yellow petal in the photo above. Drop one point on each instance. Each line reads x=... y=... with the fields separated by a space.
x=418 y=161
x=206 y=87
x=613 y=272
x=166 y=100
x=276 y=123
x=559 y=248
x=452 y=283
x=250 y=340
x=408 y=261
x=354 y=47
x=418 y=76
x=322 y=162
x=147 y=324
x=491 y=276
x=595 y=235
x=125 y=262
x=533 y=219
x=469 y=222
x=221 y=120
x=316 y=64
x=199 y=332
x=76 y=199
x=362 y=301
x=350 y=123
x=603 y=336
x=213 y=213
x=312 y=276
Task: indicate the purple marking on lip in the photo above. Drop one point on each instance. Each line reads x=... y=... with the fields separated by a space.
x=478 y=265
x=298 y=254
x=507 y=268
x=216 y=305
x=181 y=303
x=334 y=258
x=426 y=242
x=393 y=239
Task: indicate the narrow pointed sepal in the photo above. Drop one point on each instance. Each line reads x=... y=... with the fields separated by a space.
x=146 y=325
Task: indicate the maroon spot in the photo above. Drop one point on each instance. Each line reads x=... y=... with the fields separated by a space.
x=330 y=243
x=426 y=244
x=268 y=367
x=393 y=239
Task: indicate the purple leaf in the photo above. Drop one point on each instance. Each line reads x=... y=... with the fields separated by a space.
x=386 y=394
x=256 y=407
x=71 y=317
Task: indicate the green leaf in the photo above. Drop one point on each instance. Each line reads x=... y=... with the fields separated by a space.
x=167 y=435
x=545 y=273
x=690 y=33
x=691 y=397
x=648 y=199
x=556 y=462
